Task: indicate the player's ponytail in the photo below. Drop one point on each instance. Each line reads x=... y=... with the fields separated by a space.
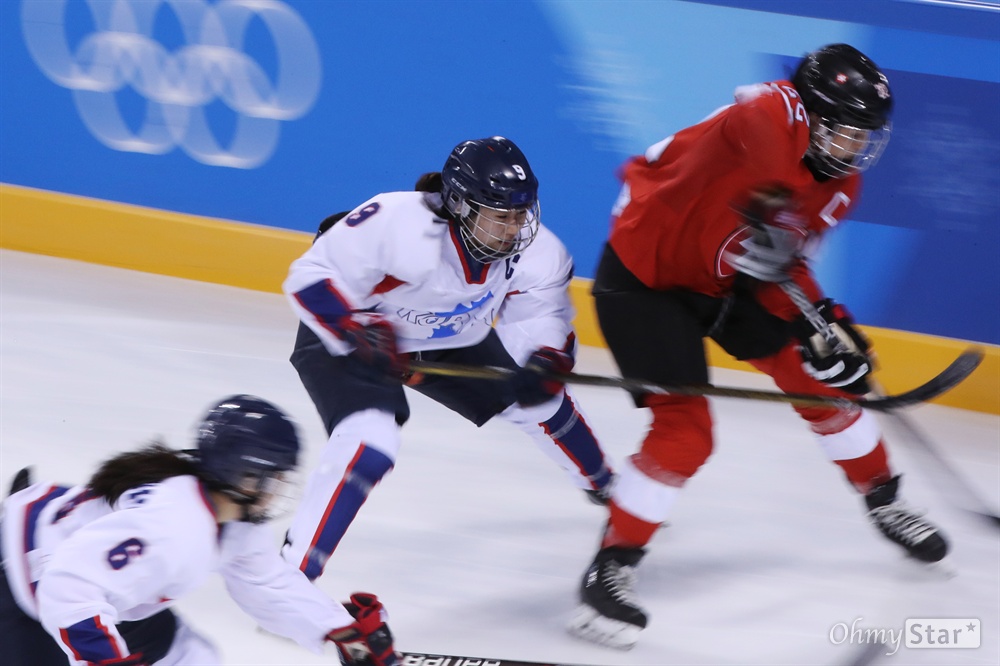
x=151 y=464
x=429 y=182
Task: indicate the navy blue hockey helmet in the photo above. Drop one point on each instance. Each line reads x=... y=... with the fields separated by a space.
x=486 y=175
x=851 y=97
x=244 y=444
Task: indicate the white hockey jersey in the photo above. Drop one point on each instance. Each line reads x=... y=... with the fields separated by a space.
x=393 y=256
x=80 y=566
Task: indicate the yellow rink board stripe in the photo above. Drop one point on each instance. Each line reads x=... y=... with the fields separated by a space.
x=257 y=257
x=147 y=239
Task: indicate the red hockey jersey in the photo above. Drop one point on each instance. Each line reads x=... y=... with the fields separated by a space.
x=677 y=214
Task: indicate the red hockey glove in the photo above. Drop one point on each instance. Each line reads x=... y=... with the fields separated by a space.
x=374 y=344
x=368 y=641
x=533 y=384
x=846 y=370
x=777 y=235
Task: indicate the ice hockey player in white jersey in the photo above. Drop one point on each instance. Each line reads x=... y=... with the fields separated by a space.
x=458 y=271
x=90 y=572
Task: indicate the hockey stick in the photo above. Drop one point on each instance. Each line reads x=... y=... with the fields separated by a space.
x=947 y=379
x=421 y=659
x=812 y=315
x=948 y=478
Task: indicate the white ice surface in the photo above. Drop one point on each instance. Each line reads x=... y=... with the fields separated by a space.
x=476 y=542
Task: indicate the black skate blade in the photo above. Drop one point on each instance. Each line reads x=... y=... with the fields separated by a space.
x=943 y=569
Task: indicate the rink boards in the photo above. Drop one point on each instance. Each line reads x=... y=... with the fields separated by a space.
x=257 y=257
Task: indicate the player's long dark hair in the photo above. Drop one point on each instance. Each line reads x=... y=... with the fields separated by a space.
x=429 y=182
x=432 y=183
x=150 y=464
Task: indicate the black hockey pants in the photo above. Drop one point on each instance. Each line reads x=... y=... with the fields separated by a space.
x=339 y=388
x=658 y=336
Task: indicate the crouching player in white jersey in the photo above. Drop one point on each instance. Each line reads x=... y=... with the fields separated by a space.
x=90 y=572
x=458 y=271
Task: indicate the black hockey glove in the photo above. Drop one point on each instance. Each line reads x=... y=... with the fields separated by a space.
x=777 y=235
x=847 y=370
x=533 y=384
x=374 y=344
x=367 y=641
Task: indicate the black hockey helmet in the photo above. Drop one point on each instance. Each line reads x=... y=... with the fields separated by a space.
x=490 y=173
x=852 y=99
x=247 y=448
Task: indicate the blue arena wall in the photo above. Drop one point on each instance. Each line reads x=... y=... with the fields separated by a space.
x=279 y=112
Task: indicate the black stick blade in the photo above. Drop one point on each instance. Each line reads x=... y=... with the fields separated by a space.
x=947 y=379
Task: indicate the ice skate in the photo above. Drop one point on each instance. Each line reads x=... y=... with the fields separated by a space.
x=903 y=525
x=609 y=613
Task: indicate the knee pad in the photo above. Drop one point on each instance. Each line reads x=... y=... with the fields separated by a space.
x=372 y=428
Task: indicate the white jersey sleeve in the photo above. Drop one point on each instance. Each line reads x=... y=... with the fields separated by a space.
x=276 y=594
x=537 y=311
x=391 y=239
x=157 y=544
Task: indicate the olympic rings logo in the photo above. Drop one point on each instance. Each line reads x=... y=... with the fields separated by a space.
x=178 y=86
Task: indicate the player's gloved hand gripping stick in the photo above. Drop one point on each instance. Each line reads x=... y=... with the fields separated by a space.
x=833 y=350
x=537 y=381
x=374 y=346
x=367 y=641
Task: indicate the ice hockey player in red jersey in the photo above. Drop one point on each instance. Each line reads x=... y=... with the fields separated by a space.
x=90 y=572
x=709 y=224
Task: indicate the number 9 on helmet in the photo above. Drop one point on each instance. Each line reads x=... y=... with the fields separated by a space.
x=489 y=189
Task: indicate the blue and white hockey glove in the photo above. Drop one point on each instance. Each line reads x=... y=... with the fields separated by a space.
x=534 y=384
x=367 y=641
